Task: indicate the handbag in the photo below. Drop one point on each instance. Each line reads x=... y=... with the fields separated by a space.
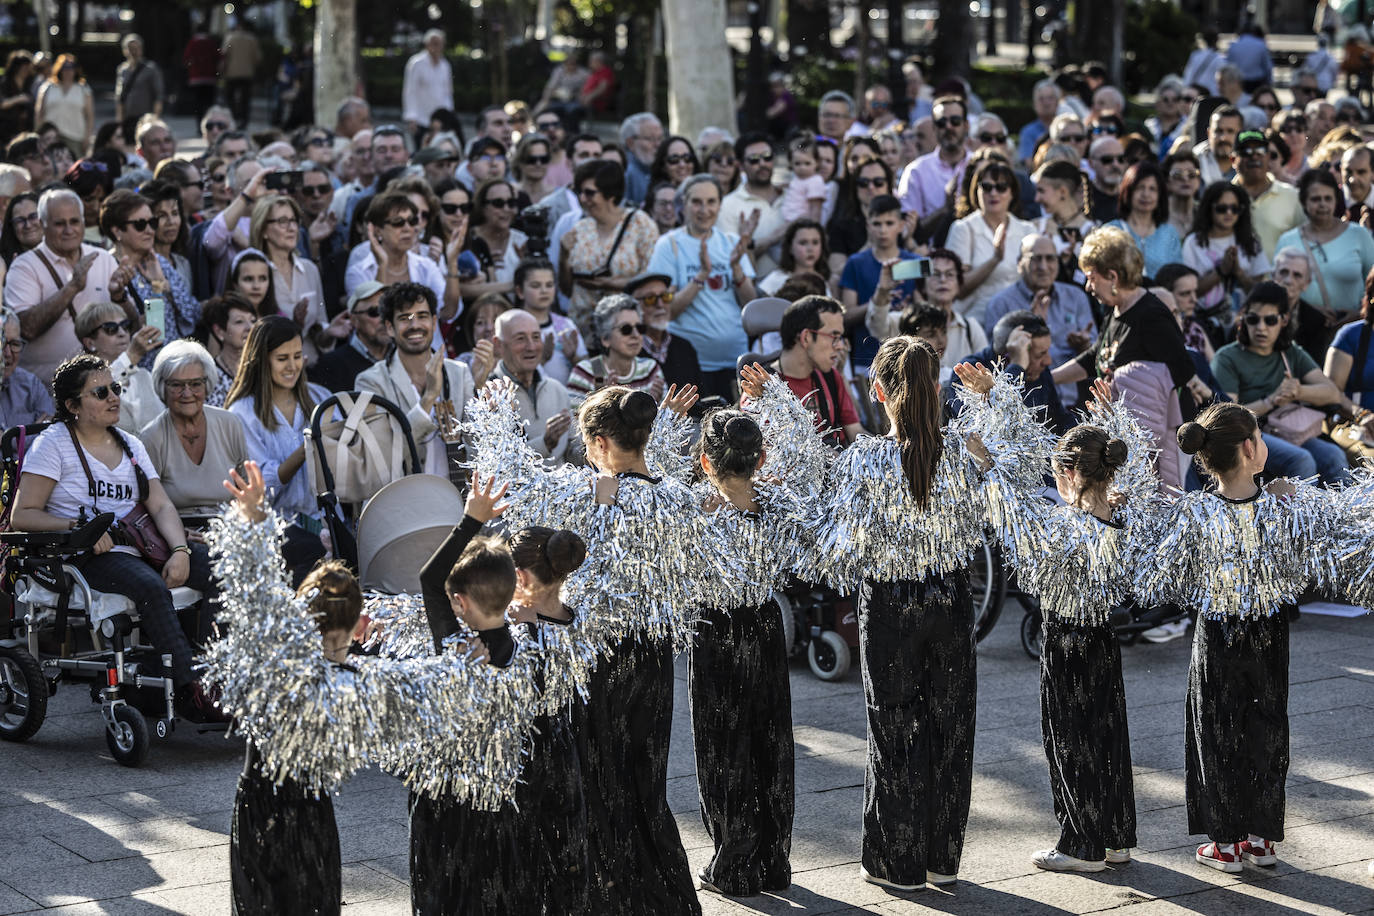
x=138 y=528
x=1294 y=422
x=605 y=269
x=1350 y=434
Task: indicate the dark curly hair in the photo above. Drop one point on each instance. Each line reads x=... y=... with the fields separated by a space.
x=1246 y=239
x=70 y=378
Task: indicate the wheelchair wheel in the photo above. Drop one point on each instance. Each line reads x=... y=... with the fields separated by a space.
x=1032 y=634
x=128 y=741
x=988 y=583
x=828 y=655
x=23 y=694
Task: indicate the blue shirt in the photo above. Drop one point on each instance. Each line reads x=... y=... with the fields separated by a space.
x=636 y=182
x=1347 y=341
x=861 y=273
x=1161 y=247
x=1026 y=140
x=23 y=399
x=712 y=322
x=1251 y=55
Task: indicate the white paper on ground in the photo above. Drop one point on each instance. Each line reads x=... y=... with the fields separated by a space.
x=1329 y=609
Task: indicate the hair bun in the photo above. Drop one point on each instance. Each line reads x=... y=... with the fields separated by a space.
x=1192 y=437
x=565 y=550
x=1114 y=454
x=637 y=409
x=742 y=434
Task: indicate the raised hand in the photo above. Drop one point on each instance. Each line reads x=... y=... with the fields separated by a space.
x=1100 y=400
x=976 y=377
x=679 y=402
x=145 y=339
x=377 y=252
x=554 y=429
x=751 y=379
x=248 y=490
x=322 y=226
x=483 y=361
x=484 y=499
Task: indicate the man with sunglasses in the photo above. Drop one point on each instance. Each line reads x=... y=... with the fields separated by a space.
x=1274 y=204
x=923 y=182
x=756 y=195
x=339 y=368
x=675 y=355
x=1214 y=153
x=314 y=195
x=427 y=84
x=24 y=398
x=550 y=124
x=1108 y=160
x=213 y=124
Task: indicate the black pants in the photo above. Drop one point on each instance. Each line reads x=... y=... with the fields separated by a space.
x=920 y=682
x=302 y=549
x=741 y=703
x=239 y=97
x=464 y=862
x=131 y=576
x=284 y=850
x=1237 y=727
x=1083 y=723
x=720 y=382
x=553 y=817
x=638 y=865
x=202 y=98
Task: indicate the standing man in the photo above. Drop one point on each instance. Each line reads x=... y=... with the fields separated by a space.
x=201 y=59
x=1214 y=153
x=923 y=183
x=835 y=115
x=1274 y=205
x=241 y=58
x=641 y=135
x=1109 y=164
x=756 y=195
x=138 y=83
x=427 y=85
x=1251 y=55
x=1045 y=100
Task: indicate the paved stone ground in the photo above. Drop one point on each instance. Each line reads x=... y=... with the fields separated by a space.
x=83 y=835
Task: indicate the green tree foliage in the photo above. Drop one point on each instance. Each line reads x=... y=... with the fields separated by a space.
x=1159 y=38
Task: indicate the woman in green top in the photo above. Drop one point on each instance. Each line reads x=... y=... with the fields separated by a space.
x=1264 y=370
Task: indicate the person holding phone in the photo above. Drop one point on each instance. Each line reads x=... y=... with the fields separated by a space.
x=860 y=280
x=275 y=230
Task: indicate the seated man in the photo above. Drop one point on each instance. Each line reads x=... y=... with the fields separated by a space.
x=543 y=402
x=813 y=342
x=338 y=369
x=1021 y=341
x=23 y=398
x=676 y=355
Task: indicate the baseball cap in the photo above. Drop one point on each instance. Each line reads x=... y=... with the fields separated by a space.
x=366 y=290
x=636 y=282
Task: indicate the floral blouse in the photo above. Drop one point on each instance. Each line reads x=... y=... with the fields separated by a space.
x=182 y=309
x=590 y=252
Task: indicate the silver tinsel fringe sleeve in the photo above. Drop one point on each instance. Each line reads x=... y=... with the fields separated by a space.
x=1249 y=559
x=1353 y=575
x=668 y=452
x=796 y=452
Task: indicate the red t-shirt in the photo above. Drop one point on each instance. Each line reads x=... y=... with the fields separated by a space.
x=201 y=58
x=599 y=76
x=833 y=406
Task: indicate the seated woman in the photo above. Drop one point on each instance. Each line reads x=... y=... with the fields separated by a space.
x=619 y=324
x=1350 y=366
x=82 y=466
x=106 y=330
x=1144 y=209
x=191 y=445
x=127 y=218
x=274 y=401
x=1265 y=371
x=223 y=330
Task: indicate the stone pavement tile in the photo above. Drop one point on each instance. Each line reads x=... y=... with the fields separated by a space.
x=181 y=800
x=832 y=771
x=40 y=817
x=383 y=836
x=144 y=838
x=1012 y=742
x=1324 y=692
x=204 y=900
x=811 y=740
x=362 y=885
x=396 y=866
x=25 y=854
x=1322 y=893
x=1331 y=760
x=123 y=877
x=1320 y=726
x=122 y=906
x=11 y=901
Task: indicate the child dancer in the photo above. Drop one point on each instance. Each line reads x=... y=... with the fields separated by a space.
x=904 y=516
x=1076 y=559
x=741 y=698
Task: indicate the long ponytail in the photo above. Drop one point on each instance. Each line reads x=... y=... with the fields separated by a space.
x=908 y=369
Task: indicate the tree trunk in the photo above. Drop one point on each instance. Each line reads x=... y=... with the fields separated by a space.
x=862 y=35
x=1097 y=29
x=953 y=40
x=701 y=88
x=336 y=55
x=808 y=27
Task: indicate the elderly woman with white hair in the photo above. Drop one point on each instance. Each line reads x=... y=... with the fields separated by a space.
x=106 y=330
x=619 y=325
x=191 y=445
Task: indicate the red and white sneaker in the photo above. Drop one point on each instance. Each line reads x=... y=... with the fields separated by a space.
x=1213 y=856
x=1261 y=853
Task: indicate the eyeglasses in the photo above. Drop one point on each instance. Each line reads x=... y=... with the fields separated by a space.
x=835 y=337
x=283 y=221
x=678 y=159
x=216 y=125
x=142 y=225
x=503 y=202
x=320 y=141
x=760 y=158
x=90 y=165
x=370 y=312
x=1180 y=175
x=315 y=190
x=1251 y=152
x=114 y=327
x=653 y=299
x=1293 y=127
x=1113 y=159
x=987 y=187
x=24 y=220
x=193 y=385
x=400 y=221
x=1169 y=99
x=16 y=344
x=538 y=160
x=490 y=158
x=1269 y=320
x=727 y=161
x=586 y=192
x=950 y=121
x=1109 y=129
x=1226 y=208
x=202 y=184
x=629 y=330
x=547 y=126
x=879 y=182
x=452 y=209
x=992 y=138
x=218 y=179
x=102 y=392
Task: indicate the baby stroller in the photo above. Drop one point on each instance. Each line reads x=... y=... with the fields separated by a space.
x=57 y=628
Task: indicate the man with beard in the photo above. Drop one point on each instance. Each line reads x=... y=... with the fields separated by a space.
x=1214 y=154
x=1109 y=164
x=416 y=377
x=923 y=183
x=757 y=195
x=1274 y=205
x=675 y=355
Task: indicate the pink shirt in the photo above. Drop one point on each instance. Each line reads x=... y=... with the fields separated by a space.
x=28 y=283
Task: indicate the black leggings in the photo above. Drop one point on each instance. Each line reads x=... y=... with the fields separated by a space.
x=131 y=576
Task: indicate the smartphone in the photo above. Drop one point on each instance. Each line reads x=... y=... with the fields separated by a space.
x=155 y=312
x=911 y=269
x=284 y=181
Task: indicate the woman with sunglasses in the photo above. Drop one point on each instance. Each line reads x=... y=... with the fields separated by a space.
x=106 y=330
x=606 y=248
x=1263 y=369
x=988 y=237
x=847 y=230
x=81 y=466
x=1223 y=247
x=1292 y=126
x=530 y=168
x=675 y=161
x=619 y=325
x=393 y=229
x=723 y=166
x=127 y=218
x=170 y=240
x=1342 y=254
x=218 y=192
x=492 y=239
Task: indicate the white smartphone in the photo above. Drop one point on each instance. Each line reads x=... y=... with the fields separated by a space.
x=155 y=312
x=911 y=269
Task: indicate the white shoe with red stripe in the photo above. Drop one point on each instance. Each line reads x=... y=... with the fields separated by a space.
x=1261 y=853
x=1213 y=855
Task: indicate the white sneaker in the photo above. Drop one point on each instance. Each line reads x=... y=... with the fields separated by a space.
x=1118 y=856
x=1054 y=860
x=1166 y=632
x=939 y=880
x=891 y=885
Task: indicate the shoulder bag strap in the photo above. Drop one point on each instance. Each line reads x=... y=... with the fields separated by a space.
x=832 y=396
x=71 y=310
x=624 y=224
x=139 y=476
x=1316 y=268
x=85 y=466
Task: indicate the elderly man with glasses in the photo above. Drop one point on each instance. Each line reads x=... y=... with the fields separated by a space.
x=1274 y=204
x=24 y=398
x=1108 y=161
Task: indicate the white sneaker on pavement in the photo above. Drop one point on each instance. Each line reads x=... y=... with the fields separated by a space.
x=892 y=885
x=1118 y=856
x=1054 y=860
x=1166 y=632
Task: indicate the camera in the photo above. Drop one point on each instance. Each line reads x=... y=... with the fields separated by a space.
x=535 y=224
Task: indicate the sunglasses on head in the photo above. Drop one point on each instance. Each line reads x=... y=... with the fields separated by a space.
x=950 y=121
x=538 y=160
x=652 y=299
x=992 y=138
x=90 y=165
x=139 y=225
x=502 y=202
x=1111 y=129
x=1269 y=320
x=398 y=222
x=878 y=182
x=627 y=329
x=1226 y=208
x=114 y=327
x=761 y=157
x=677 y=159
x=452 y=209
x=370 y=312
x=102 y=392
